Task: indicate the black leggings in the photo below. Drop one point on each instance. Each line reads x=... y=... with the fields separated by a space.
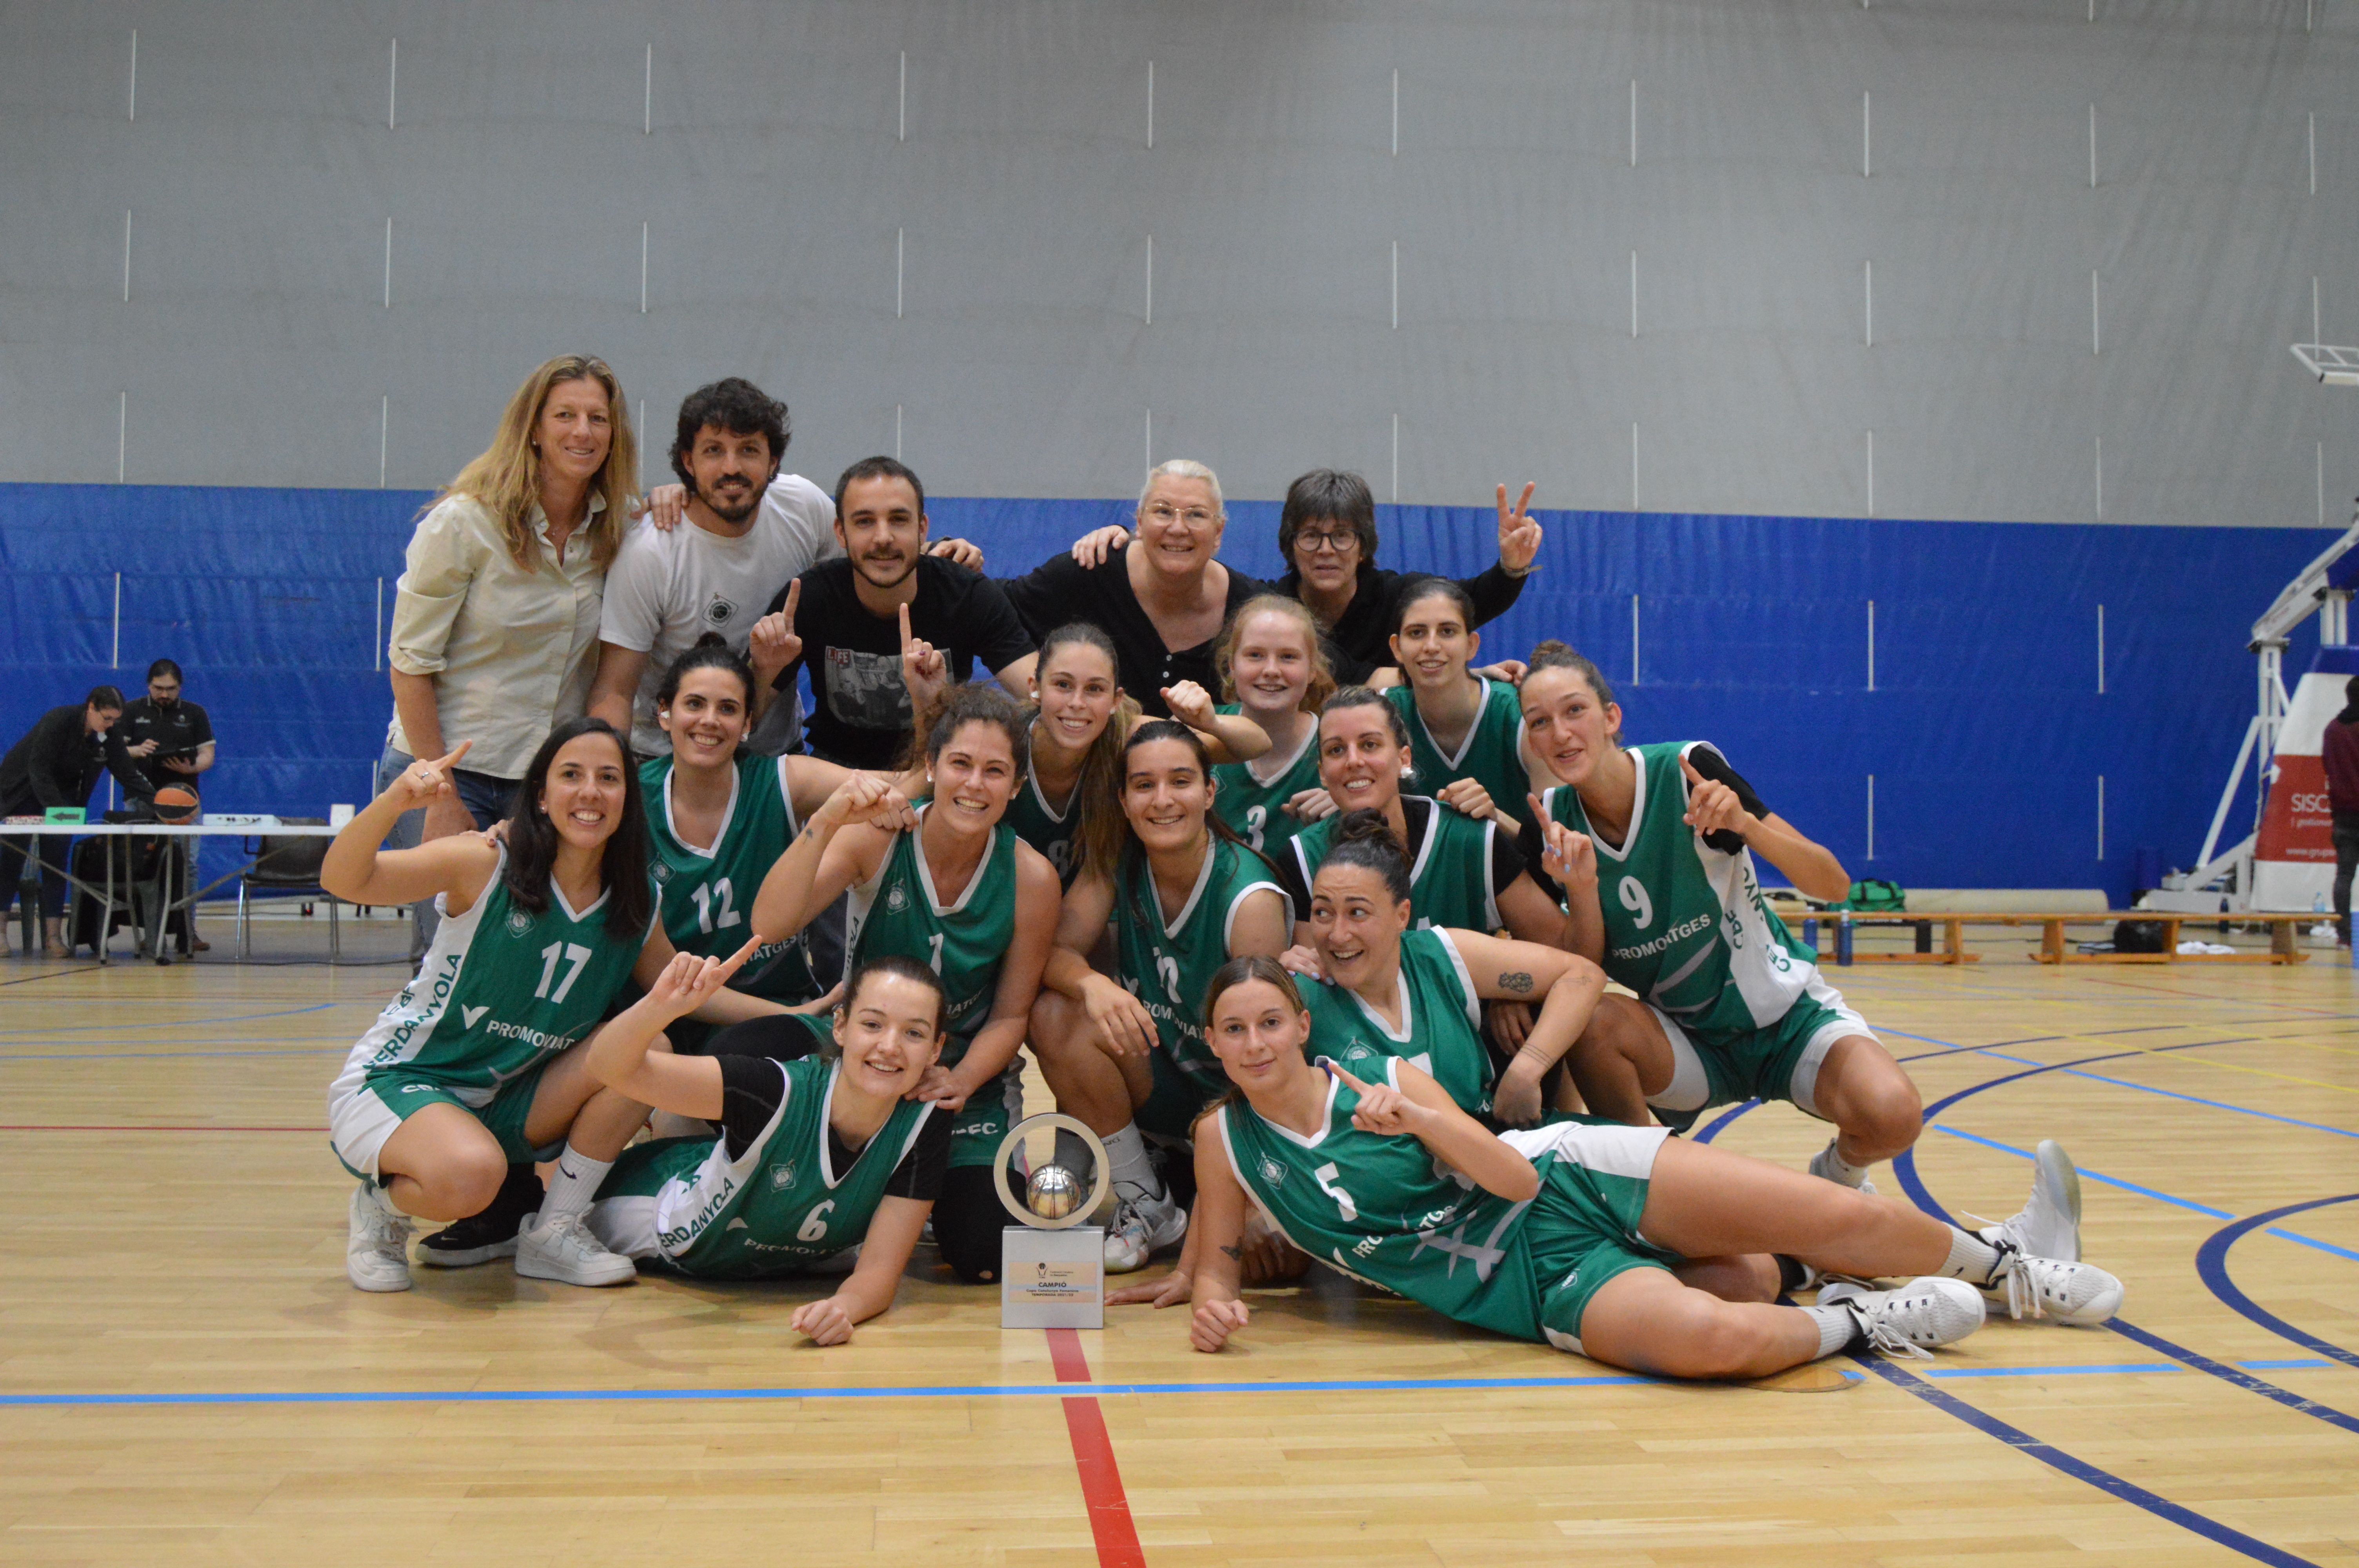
x=968 y=1216
x=49 y=851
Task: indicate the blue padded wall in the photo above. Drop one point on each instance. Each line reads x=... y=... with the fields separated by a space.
x=1985 y=731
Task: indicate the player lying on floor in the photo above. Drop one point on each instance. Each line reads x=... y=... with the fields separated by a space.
x=1596 y=1239
x=816 y=1157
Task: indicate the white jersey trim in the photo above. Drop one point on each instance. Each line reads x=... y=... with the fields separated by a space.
x=1465 y=978
x=728 y=814
x=1253 y=766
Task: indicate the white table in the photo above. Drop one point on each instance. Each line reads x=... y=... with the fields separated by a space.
x=212 y=825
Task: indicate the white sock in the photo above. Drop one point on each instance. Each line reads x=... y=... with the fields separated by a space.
x=575 y=1183
x=1837 y=1326
x=1127 y=1153
x=1971 y=1257
x=1835 y=1168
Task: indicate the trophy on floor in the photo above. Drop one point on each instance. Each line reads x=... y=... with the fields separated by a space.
x=1052 y=1265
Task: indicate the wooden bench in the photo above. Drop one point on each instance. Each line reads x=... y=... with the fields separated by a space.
x=2284 y=933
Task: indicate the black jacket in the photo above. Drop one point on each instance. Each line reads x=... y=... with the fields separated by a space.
x=58 y=762
x=1357 y=644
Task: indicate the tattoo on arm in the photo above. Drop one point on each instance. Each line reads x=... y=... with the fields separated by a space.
x=1517 y=982
x=1237 y=1252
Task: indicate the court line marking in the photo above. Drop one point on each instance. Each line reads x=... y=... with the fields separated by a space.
x=2132 y=1049
x=1111 y=1526
x=178 y=1022
x=1024 y=1390
x=2055 y=1458
x=6 y=1057
x=1904 y=1166
x=2211 y=1267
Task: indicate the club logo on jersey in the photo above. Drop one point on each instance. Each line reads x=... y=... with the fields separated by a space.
x=519 y=921
x=896 y=901
x=469 y=1015
x=720 y=613
x=660 y=871
x=782 y=1177
x=1271 y=1170
x=1359 y=1051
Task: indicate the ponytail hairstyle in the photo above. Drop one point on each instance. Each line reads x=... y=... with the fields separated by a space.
x=1239 y=972
x=1365 y=839
x=1364 y=696
x=710 y=652
x=1098 y=796
x=898 y=964
x=1322 y=675
x=968 y=703
x=532 y=838
x=1425 y=588
x=1554 y=655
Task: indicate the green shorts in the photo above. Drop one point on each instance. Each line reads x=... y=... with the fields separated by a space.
x=359 y=1122
x=1173 y=1103
x=1583 y=1228
x=1778 y=1061
x=979 y=1127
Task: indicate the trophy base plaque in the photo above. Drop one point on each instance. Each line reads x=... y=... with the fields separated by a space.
x=1052 y=1278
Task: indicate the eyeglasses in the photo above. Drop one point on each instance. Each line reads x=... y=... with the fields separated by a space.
x=1342 y=542
x=1167 y=515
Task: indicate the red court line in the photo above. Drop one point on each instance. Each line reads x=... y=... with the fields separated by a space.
x=1110 y=1520
x=144 y=1126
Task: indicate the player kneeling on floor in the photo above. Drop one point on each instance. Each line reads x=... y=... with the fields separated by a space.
x=1585 y=1237
x=817 y=1156
x=478 y=1062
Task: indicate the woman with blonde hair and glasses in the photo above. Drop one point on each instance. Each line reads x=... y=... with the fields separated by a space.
x=496 y=614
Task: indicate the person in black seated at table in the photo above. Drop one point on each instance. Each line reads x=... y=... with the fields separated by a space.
x=1162 y=597
x=57 y=763
x=173 y=741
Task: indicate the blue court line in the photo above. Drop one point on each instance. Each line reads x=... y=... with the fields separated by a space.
x=2081 y=1470
x=1904 y=1166
x=2174 y=1094
x=2212 y=1266
x=1014 y=1391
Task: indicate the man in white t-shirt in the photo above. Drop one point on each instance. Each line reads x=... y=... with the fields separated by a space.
x=747 y=530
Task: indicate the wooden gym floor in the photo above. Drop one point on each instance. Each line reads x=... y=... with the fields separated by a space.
x=186 y=1377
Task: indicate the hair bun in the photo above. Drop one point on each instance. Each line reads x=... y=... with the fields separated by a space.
x=1367 y=826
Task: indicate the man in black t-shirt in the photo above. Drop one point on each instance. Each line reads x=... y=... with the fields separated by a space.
x=171 y=742
x=844 y=620
x=169 y=737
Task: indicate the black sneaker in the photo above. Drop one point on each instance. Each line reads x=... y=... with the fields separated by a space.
x=492 y=1234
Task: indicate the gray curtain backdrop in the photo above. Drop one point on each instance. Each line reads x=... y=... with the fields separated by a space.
x=1392 y=236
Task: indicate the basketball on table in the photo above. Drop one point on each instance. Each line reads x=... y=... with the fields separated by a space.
x=175 y=803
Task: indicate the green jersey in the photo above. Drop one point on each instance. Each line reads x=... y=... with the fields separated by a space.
x=1251 y=797
x=1686 y=927
x=1492 y=753
x=1056 y=834
x=779 y=1206
x=708 y=892
x=1441 y=1023
x=897 y=911
x=501 y=990
x=1167 y=964
x=1451 y=863
x=1384 y=1210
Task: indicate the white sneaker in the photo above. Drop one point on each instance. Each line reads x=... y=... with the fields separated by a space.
x=1818 y=1169
x=2050 y=1223
x=1143 y=1226
x=376 y=1256
x=2080 y=1294
x=564 y=1251
x=1904 y=1322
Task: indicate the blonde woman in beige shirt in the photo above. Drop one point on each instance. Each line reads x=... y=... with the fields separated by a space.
x=496 y=618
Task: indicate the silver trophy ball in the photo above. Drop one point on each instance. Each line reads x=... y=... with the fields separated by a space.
x=1052 y=1192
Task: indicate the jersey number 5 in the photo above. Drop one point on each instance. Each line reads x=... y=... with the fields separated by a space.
x=573 y=954
x=1325 y=1176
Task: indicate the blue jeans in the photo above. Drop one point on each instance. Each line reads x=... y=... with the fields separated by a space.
x=486 y=800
